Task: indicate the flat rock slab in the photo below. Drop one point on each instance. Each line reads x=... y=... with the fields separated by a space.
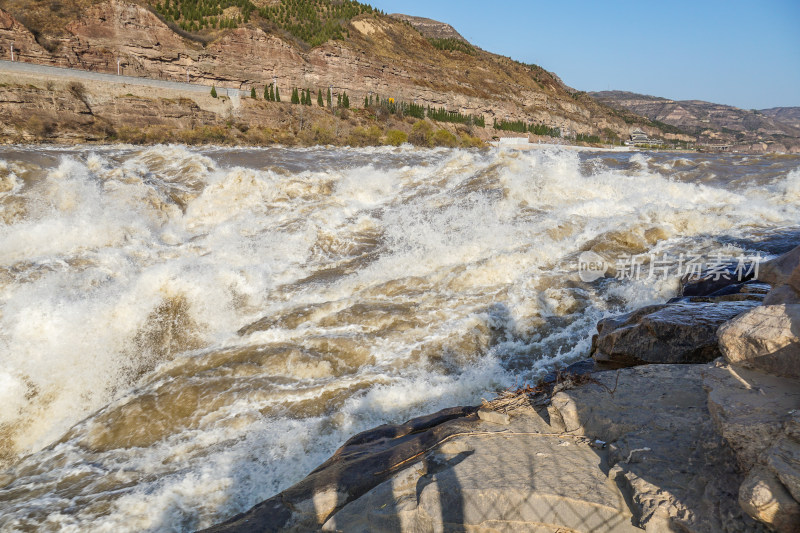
x=501 y=481
x=665 y=453
x=679 y=332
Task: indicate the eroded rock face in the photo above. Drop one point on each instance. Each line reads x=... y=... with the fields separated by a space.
x=25 y=45
x=750 y=408
x=431 y=28
x=765 y=338
x=680 y=332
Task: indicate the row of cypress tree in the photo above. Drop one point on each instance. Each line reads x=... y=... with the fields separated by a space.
x=303 y=97
x=271 y=93
x=520 y=126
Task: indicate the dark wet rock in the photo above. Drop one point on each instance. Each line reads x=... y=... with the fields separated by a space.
x=765 y=338
x=749 y=290
x=363 y=462
x=752 y=288
x=580 y=368
x=712 y=281
x=679 y=332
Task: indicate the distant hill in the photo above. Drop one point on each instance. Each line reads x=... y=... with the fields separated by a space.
x=714 y=123
x=786 y=115
x=432 y=29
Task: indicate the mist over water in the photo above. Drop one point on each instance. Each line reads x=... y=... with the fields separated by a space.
x=186 y=332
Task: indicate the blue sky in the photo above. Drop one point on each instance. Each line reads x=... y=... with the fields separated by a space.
x=738 y=53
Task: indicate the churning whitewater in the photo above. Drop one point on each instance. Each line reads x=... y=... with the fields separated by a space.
x=185 y=332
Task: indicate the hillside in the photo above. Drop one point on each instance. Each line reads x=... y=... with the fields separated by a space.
x=714 y=124
x=786 y=115
x=314 y=44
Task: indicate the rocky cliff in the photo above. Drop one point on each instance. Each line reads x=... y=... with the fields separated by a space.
x=381 y=56
x=714 y=124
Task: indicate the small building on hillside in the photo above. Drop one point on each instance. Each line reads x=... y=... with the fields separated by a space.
x=639 y=137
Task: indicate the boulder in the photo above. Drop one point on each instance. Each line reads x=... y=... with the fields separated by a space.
x=766 y=338
x=678 y=332
x=451 y=471
x=765 y=498
x=786 y=294
x=783 y=459
x=778 y=270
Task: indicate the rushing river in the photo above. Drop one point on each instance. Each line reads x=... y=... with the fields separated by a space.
x=185 y=332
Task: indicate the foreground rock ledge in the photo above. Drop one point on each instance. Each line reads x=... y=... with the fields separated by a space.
x=665 y=468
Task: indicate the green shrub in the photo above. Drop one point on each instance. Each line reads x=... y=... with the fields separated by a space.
x=421 y=133
x=468 y=141
x=364 y=137
x=323 y=135
x=442 y=137
x=213 y=92
x=396 y=137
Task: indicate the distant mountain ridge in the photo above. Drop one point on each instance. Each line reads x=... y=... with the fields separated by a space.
x=433 y=29
x=775 y=129
x=786 y=115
